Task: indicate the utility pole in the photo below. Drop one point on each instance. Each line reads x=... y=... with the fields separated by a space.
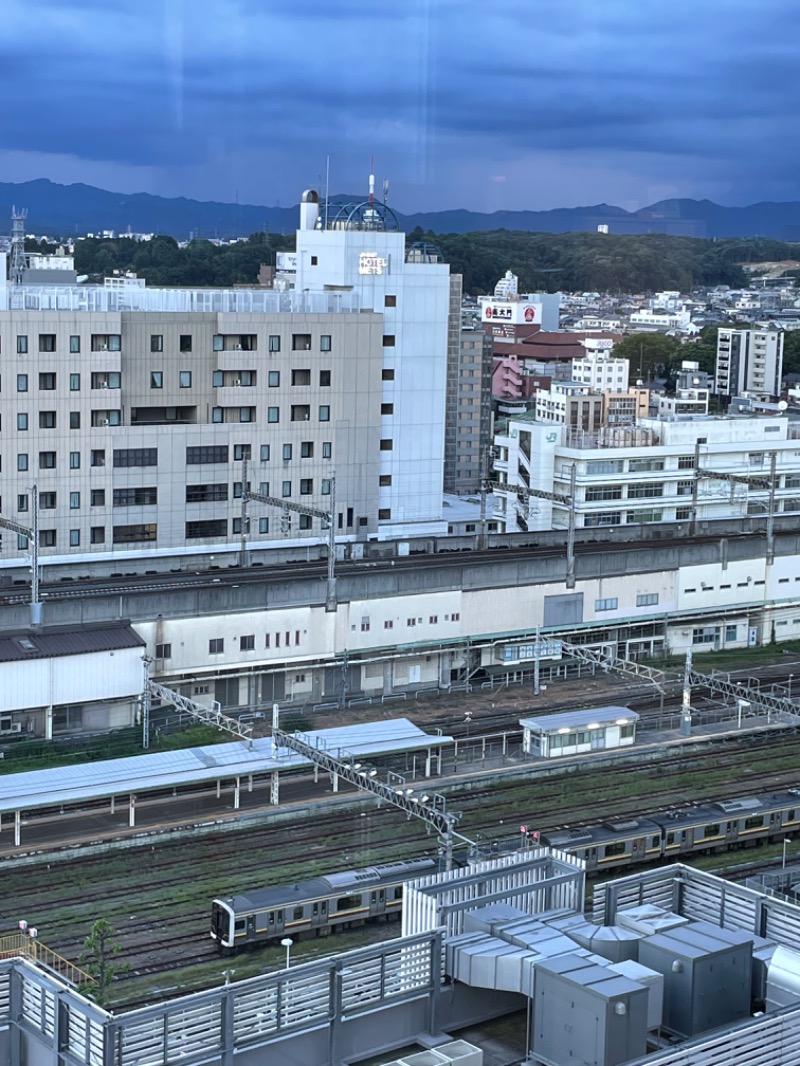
x=32 y=536
x=573 y=478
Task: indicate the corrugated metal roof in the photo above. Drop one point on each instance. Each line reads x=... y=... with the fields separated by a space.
x=551 y=723
x=29 y=644
x=140 y=773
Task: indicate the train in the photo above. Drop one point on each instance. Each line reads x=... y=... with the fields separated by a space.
x=316 y=907
x=334 y=901
x=674 y=834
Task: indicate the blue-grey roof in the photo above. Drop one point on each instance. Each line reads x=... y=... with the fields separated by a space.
x=551 y=723
x=140 y=773
x=48 y=644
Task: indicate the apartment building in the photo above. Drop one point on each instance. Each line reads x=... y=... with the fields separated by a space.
x=570 y=403
x=646 y=473
x=468 y=425
x=133 y=410
x=600 y=370
x=749 y=361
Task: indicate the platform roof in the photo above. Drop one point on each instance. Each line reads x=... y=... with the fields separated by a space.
x=36 y=789
x=551 y=723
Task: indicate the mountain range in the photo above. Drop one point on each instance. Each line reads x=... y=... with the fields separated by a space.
x=74 y=210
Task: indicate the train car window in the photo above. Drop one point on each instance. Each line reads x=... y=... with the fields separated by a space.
x=324 y=906
x=315 y=909
x=298 y=914
x=711 y=830
x=398 y=892
x=238 y=925
x=790 y=815
x=272 y=917
x=754 y=821
x=670 y=838
x=727 y=827
x=373 y=898
x=348 y=903
x=617 y=848
x=655 y=842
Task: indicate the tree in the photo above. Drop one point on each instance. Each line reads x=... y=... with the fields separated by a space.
x=652 y=355
x=101 y=946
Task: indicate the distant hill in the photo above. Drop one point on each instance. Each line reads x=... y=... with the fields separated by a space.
x=71 y=210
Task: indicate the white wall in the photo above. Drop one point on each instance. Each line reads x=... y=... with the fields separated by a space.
x=94 y=677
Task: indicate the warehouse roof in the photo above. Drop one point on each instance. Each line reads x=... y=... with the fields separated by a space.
x=551 y=723
x=50 y=643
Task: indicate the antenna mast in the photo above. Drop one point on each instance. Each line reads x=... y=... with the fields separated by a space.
x=16 y=266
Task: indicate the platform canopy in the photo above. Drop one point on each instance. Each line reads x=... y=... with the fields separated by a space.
x=138 y=774
x=593 y=718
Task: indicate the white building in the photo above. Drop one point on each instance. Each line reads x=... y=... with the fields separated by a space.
x=749 y=360
x=627 y=476
x=693 y=389
x=600 y=369
x=656 y=320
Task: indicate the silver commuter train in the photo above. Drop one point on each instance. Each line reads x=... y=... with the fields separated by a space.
x=316 y=907
x=673 y=834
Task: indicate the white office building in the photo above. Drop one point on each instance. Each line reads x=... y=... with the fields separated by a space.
x=646 y=473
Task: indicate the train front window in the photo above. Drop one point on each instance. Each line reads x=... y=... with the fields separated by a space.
x=238 y=925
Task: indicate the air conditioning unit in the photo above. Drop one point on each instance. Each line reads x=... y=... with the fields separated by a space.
x=237 y=382
x=16 y=727
x=237 y=347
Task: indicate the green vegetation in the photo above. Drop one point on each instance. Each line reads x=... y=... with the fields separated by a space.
x=100 y=947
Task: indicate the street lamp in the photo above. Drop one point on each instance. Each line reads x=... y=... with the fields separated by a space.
x=287 y=943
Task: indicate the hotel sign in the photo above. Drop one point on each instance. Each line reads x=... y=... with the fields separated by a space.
x=372 y=263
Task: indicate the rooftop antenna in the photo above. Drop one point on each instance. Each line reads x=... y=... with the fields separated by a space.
x=371 y=180
x=385 y=191
x=16 y=266
x=327 y=187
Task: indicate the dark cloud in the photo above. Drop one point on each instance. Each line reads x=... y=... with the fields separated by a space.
x=448 y=93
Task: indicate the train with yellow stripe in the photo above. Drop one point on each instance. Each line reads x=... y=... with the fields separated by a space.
x=682 y=831
x=315 y=907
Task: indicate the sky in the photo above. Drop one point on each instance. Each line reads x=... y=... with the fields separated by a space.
x=510 y=104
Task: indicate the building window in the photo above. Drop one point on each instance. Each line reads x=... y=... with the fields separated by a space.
x=217 y=493
x=47 y=342
x=47 y=460
x=22 y=382
x=387 y=445
x=390 y=300
x=324 y=378
x=263 y=525
x=324 y=413
x=325 y=342
x=731 y=632
x=647 y=599
x=156 y=342
x=97 y=498
x=287 y=452
x=306 y=486
x=389 y=624
x=433 y=620
x=241 y=452
x=22 y=503
x=163 y=651
x=210 y=527
x=609 y=604
x=22 y=345
x=47 y=538
x=387 y=408
x=74 y=501
x=74 y=383
x=638 y=465
x=384 y=514
x=388 y=340
x=74 y=538
x=97 y=535
x=273 y=414
x=186 y=342
x=74 y=420
x=207 y=453
x=264 y=453
x=135 y=534
x=156 y=379
x=301 y=342
x=138 y=497
x=47 y=501
x=22 y=461
x=387 y=374
x=305 y=521
x=22 y=421
x=385 y=480
x=300 y=412
x=98 y=457
x=185 y=378
x=411 y=622
x=216 y=646
x=325 y=488
x=136 y=457
x=274 y=379
x=247 y=643
x=274 y=343
x=307 y=449
x=286 y=488
x=301 y=377
x=74 y=345
x=327 y=449
x=47 y=420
